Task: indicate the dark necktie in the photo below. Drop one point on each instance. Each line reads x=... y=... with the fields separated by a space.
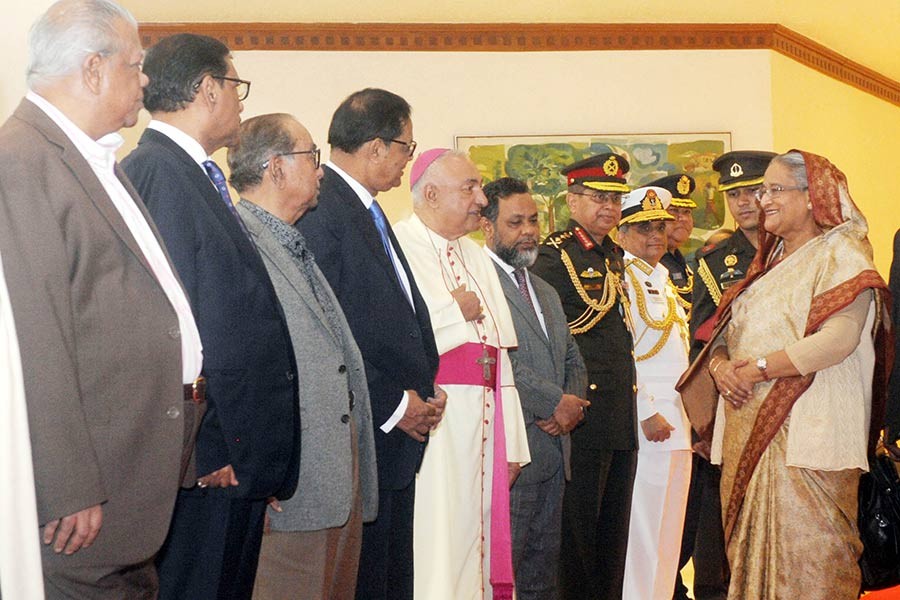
x=381 y=225
x=218 y=179
x=523 y=288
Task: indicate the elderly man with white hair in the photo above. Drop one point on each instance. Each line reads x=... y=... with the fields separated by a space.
x=462 y=546
x=106 y=333
x=659 y=328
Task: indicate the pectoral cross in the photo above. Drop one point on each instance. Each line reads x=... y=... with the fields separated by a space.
x=486 y=361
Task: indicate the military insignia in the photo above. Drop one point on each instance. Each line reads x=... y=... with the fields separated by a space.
x=611 y=166
x=730 y=260
x=651 y=201
x=736 y=170
x=590 y=287
x=557 y=239
x=590 y=273
x=583 y=238
x=684 y=185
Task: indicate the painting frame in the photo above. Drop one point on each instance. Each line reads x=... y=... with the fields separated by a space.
x=537 y=159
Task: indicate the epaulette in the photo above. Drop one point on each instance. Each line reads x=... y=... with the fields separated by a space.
x=556 y=239
x=709 y=248
x=583 y=238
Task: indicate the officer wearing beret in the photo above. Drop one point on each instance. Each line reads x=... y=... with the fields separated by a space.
x=719 y=266
x=682 y=206
x=585 y=267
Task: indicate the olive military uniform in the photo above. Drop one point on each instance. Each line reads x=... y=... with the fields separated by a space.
x=597 y=501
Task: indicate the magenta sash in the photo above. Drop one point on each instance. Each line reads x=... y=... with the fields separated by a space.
x=460 y=366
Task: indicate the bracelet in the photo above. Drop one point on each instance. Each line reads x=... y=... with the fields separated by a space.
x=715 y=367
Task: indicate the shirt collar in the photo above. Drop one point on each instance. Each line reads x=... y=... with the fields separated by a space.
x=100 y=153
x=364 y=195
x=184 y=141
x=503 y=264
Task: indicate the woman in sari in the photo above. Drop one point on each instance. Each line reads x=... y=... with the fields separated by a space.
x=794 y=367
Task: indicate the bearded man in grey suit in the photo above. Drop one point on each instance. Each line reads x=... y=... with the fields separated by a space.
x=551 y=379
x=106 y=333
x=312 y=547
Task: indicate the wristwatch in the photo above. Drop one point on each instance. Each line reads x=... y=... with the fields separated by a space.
x=762 y=364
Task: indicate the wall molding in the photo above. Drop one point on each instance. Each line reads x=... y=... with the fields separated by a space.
x=535 y=37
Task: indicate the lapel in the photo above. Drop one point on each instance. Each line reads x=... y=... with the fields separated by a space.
x=369 y=233
x=82 y=171
x=517 y=302
x=271 y=248
x=207 y=190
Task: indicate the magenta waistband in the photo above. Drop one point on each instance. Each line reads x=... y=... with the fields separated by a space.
x=465 y=365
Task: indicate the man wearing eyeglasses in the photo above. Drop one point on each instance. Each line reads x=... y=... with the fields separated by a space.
x=311 y=549
x=371 y=138
x=719 y=266
x=660 y=331
x=248 y=444
x=585 y=267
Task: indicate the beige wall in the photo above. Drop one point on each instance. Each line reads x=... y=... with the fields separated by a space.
x=523 y=93
x=17 y=19
x=856 y=131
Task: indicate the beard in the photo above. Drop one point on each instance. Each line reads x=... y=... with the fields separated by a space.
x=517 y=259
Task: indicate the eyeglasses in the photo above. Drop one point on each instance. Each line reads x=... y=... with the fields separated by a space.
x=648 y=227
x=315 y=152
x=775 y=190
x=610 y=198
x=242 y=86
x=410 y=146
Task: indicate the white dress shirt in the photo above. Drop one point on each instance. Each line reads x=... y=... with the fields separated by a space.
x=101 y=156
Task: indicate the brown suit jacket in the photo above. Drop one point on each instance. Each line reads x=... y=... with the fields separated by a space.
x=100 y=346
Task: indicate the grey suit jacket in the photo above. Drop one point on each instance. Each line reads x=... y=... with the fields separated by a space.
x=100 y=346
x=331 y=377
x=544 y=368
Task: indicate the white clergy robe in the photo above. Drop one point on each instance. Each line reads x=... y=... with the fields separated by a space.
x=451 y=531
x=663 y=475
x=20 y=558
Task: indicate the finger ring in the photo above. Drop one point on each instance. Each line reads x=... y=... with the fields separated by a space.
x=201 y=483
x=727 y=393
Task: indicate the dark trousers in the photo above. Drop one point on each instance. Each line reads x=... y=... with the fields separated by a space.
x=703 y=537
x=386 y=558
x=596 y=512
x=536 y=519
x=212 y=549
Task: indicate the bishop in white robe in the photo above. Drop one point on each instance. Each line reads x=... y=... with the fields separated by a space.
x=462 y=544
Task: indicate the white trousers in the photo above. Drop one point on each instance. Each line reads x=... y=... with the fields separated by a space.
x=658 y=503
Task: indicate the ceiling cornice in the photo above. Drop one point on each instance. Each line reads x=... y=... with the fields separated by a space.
x=536 y=37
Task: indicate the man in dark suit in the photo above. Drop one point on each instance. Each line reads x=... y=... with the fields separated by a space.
x=892 y=415
x=585 y=267
x=550 y=377
x=106 y=332
x=371 y=143
x=248 y=444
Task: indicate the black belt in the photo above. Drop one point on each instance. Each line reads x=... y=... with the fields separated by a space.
x=196 y=391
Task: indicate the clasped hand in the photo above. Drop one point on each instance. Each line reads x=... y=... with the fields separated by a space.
x=421 y=416
x=734 y=379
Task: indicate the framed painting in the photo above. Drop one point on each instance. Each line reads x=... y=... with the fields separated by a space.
x=538 y=159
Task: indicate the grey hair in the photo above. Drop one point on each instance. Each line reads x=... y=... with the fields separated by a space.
x=418 y=190
x=69 y=32
x=261 y=138
x=794 y=161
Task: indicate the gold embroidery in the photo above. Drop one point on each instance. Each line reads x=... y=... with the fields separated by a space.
x=663 y=325
x=710 y=281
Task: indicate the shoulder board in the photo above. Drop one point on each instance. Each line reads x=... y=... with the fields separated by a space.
x=710 y=248
x=583 y=238
x=556 y=239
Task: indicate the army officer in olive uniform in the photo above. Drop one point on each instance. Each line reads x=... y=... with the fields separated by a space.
x=719 y=267
x=585 y=267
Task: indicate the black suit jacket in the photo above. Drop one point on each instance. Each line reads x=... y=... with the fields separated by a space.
x=252 y=421
x=397 y=344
